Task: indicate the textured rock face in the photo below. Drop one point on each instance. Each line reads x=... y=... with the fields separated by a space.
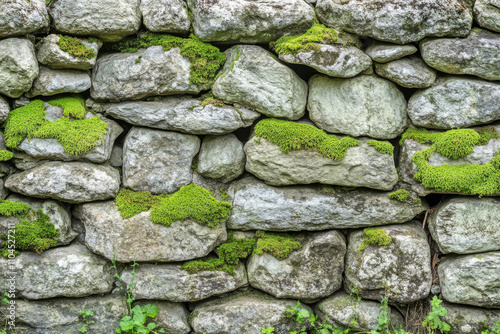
x=379 y=110
x=410 y=72
x=183 y=114
x=51 y=82
x=168 y=282
x=249 y=22
x=4 y=109
x=72 y=182
x=455 y=102
x=172 y=317
x=165 y=15
x=471 y=279
x=310 y=273
x=469 y=320
x=18 y=66
x=382 y=52
x=334 y=60
x=20 y=17
x=466 y=225
x=487 y=14
x=252 y=77
x=402 y=269
x=138 y=239
x=362 y=166
x=257 y=206
x=71 y=271
x=97 y=18
x=158 y=161
x=478 y=54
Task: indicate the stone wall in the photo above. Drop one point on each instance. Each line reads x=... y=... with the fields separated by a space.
x=246 y=155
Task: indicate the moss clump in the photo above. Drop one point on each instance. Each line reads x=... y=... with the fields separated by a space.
x=401 y=195
x=75 y=47
x=8 y=209
x=131 y=203
x=318 y=33
x=6 y=155
x=208 y=264
x=382 y=146
x=210 y=99
x=294 y=136
x=205 y=59
x=72 y=106
x=373 y=236
x=278 y=245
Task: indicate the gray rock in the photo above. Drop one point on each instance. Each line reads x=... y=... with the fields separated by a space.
x=20 y=17
x=183 y=114
x=241 y=21
x=147 y=72
x=469 y=320
x=455 y=102
x=171 y=317
x=402 y=269
x=4 y=109
x=254 y=78
x=71 y=271
x=158 y=161
x=116 y=159
x=397 y=21
x=334 y=60
x=471 y=279
x=138 y=239
x=257 y=206
x=383 y=52
x=310 y=273
x=165 y=16
x=18 y=66
x=477 y=54
x=169 y=282
x=72 y=182
x=221 y=157
x=96 y=18
x=409 y=72
x=487 y=14
x=23 y=161
x=51 y=82
x=340 y=309
x=50 y=54
x=361 y=106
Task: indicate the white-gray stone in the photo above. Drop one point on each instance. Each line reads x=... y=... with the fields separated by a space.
x=383 y=52
x=21 y=17
x=165 y=15
x=469 y=320
x=51 y=82
x=4 y=109
x=171 y=317
x=487 y=14
x=409 y=72
x=116 y=159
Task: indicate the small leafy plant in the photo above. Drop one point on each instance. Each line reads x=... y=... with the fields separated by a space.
x=86 y=314
x=433 y=321
x=494 y=330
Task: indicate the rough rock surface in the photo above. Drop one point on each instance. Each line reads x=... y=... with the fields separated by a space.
x=455 y=102
x=116 y=159
x=487 y=14
x=72 y=182
x=310 y=273
x=138 y=239
x=409 y=72
x=478 y=54
x=389 y=20
x=469 y=320
x=360 y=106
x=257 y=206
x=96 y=18
x=18 y=66
x=383 y=52
x=242 y=21
x=471 y=279
x=165 y=16
x=171 y=317
x=158 y=161
x=183 y=114
x=254 y=78
x=20 y=17
x=4 y=109
x=169 y=282
x=119 y=76
x=401 y=269
x=71 y=271
x=51 y=82
x=362 y=166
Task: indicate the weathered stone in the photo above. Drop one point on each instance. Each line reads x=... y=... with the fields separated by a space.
x=254 y=78
x=471 y=279
x=50 y=54
x=116 y=159
x=402 y=269
x=241 y=21
x=165 y=15
x=71 y=271
x=158 y=161
x=169 y=282
x=72 y=182
x=469 y=320
x=478 y=54
x=96 y=18
x=120 y=76
x=487 y=14
x=20 y=17
x=361 y=106
x=183 y=114
x=397 y=21
x=362 y=166
x=18 y=66
x=409 y=72
x=138 y=239
x=171 y=317
x=51 y=82
x=4 y=109
x=383 y=52
x=310 y=273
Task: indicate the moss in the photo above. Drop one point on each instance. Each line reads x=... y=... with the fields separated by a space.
x=72 y=106
x=373 y=236
x=131 y=203
x=210 y=99
x=138 y=60
x=6 y=155
x=294 y=136
x=75 y=47
x=205 y=59
x=401 y=195
x=208 y=264
x=8 y=209
x=279 y=245
x=223 y=194
x=382 y=146
x=318 y=33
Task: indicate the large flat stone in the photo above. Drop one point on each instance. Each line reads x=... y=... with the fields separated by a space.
x=487 y=14
x=51 y=82
x=20 y=17
x=165 y=16
x=383 y=52
x=409 y=72
x=469 y=320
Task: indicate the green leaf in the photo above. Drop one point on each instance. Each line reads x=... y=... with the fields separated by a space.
x=150 y=310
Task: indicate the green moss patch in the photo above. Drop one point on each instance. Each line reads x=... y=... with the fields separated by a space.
x=294 y=136
x=373 y=236
x=6 y=155
x=382 y=146
x=72 y=106
x=75 y=47
x=210 y=99
x=131 y=203
x=279 y=245
x=318 y=33
x=9 y=208
x=400 y=195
